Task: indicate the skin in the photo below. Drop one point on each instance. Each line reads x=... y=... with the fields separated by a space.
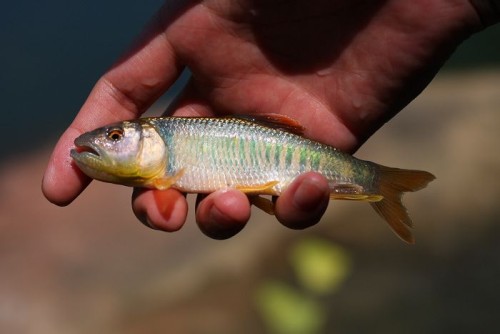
x=342 y=68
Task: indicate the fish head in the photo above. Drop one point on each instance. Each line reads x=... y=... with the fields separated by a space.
x=130 y=153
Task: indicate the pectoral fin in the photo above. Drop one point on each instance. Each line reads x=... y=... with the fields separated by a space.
x=167 y=181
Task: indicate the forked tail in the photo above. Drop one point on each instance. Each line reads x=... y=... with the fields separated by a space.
x=393 y=182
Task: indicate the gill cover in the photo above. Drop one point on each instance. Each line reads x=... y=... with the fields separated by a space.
x=130 y=153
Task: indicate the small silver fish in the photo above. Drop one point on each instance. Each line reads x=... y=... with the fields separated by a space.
x=257 y=156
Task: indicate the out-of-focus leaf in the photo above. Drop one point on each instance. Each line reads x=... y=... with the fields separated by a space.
x=320 y=265
x=286 y=311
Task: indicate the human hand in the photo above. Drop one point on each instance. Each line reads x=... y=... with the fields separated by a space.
x=341 y=68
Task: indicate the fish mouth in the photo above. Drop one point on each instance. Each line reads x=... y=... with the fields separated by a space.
x=85 y=152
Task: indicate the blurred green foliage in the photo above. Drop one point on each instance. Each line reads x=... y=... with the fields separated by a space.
x=319 y=265
x=320 y=268
x=286 y=310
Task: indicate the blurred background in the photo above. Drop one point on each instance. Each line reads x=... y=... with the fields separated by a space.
x=91 y=267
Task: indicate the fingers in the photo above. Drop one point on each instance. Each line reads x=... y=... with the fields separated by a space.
x=222 y=214
x=219 y=215
x=63 y=181
x=124 y=92
x=164 y=210
x=304 y=202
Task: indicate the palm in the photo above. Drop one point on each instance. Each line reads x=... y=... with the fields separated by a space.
x=341 y=76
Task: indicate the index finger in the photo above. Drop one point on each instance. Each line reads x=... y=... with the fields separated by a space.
x=124 y=92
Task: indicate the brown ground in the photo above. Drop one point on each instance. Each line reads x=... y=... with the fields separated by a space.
x=92 y=268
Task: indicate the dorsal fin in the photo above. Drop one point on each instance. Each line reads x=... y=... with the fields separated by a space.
x=278 y=121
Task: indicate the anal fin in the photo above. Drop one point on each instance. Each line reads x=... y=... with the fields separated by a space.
x=354 y=197
x=167 y=181
x=352 y=192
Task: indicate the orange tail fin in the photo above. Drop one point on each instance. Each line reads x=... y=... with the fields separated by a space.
x=393 y=183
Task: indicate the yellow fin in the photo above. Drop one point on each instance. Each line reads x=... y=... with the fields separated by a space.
x=393 y=183
x=167 y=181
x=262 y=203
x=354 y=197
x=260 y=189
x=352 y=192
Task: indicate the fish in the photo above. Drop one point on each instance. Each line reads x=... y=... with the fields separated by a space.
x=256 y=155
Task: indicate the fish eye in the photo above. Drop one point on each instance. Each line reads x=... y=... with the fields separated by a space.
x=115 y=134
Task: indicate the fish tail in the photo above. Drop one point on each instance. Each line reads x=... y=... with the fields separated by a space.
x=393 y=182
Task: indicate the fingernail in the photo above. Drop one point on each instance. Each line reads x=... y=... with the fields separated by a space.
x=308 y=194
x=165 y=202
x=218 y=225
x=144 y=219
x=148 y=223
x=214 y=217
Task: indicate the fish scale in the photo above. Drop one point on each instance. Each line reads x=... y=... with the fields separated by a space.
x=237 y=153
x=257 y=156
